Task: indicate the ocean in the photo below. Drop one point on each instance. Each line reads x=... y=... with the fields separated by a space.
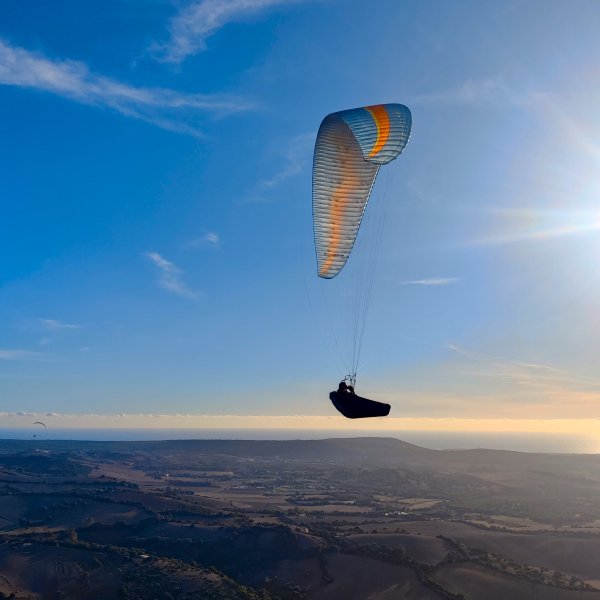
x=521 y=442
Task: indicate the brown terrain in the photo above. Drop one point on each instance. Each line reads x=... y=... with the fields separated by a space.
x=365 y=518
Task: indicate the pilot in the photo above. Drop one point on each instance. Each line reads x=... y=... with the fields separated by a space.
x=344 y=387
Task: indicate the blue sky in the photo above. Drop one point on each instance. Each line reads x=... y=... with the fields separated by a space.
x=156 y=238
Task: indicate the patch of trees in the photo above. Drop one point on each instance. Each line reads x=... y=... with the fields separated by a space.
x=462 y=552
x=397 y=555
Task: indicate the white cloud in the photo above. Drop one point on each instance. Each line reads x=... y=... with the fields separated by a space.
x=170 y=276
x=432 y=281
x=211 y=239
x=55 y=325
x=198 y=20
x=71 y=79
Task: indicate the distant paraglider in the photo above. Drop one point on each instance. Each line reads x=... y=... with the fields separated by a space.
x=40 y=423
x=351 y=147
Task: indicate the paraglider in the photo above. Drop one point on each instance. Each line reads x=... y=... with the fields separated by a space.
x=39 y=423
x=351 y=147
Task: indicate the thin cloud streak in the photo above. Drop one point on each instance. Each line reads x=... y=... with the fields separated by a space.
x=482 y=386
x=487 y=91
x=170 y=276
x=198 y=20
x=71 y=79
x=55 y=325
x=6 y=354
x=523 y=388
x=432 y=281
x=530 y=366
x=296 y=152
x=534 y=235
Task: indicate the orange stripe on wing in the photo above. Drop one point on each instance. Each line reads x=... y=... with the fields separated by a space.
x=339 y=203
x=382 y=120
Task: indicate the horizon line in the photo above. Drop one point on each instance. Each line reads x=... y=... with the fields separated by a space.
x=140 y=421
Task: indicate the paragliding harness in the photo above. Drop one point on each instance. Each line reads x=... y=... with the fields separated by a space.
x=354 y=407
x=349 y=386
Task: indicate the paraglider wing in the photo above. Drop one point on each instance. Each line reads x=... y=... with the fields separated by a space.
x=350 y=148
x=40 y=423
